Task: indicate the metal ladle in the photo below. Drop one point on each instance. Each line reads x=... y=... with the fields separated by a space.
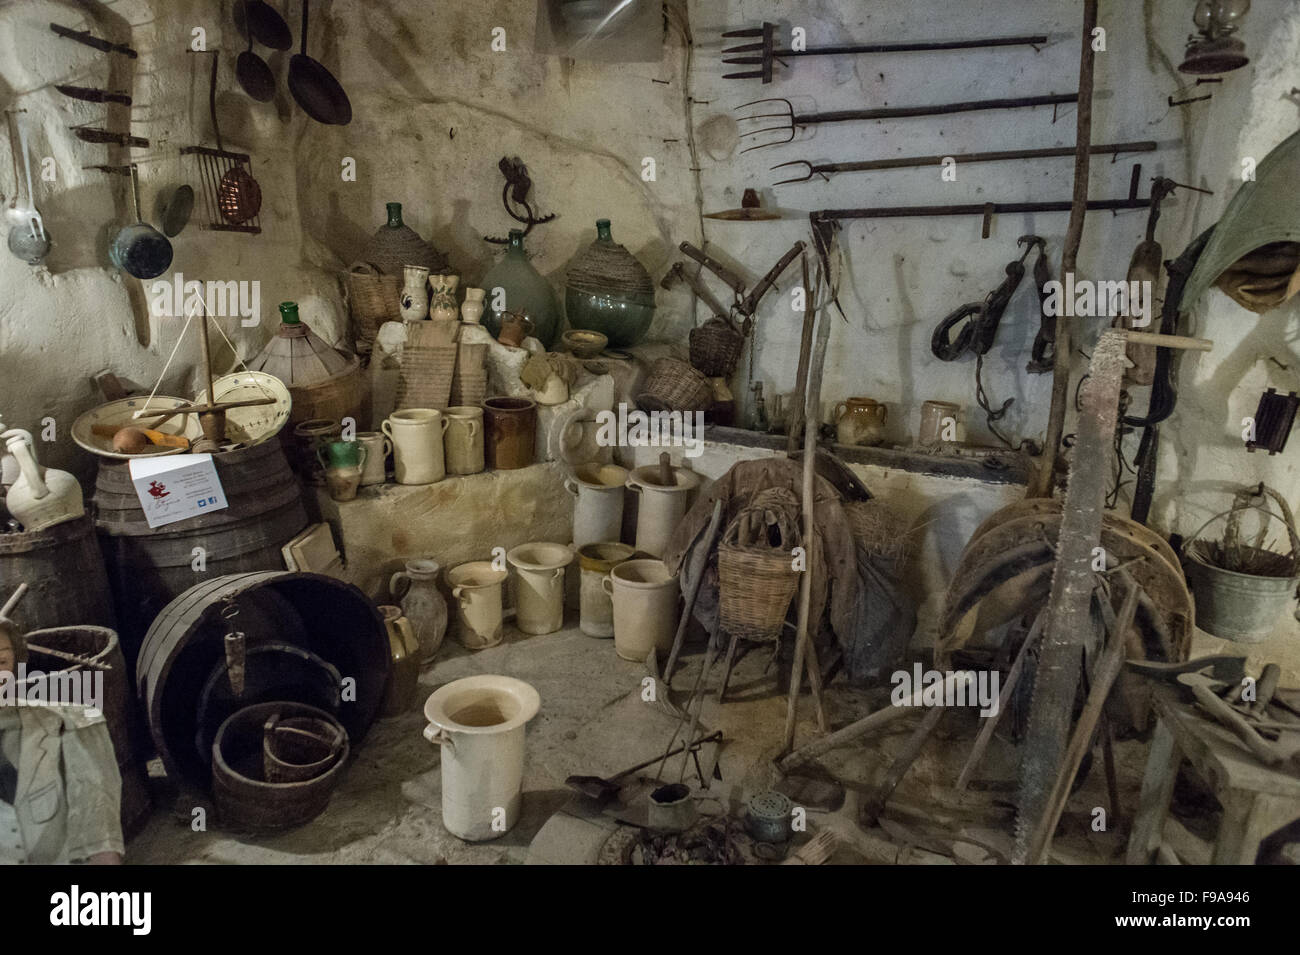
x=139 y=249
x=28 y=239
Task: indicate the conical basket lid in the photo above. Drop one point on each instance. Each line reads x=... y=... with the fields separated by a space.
x=1263 y=211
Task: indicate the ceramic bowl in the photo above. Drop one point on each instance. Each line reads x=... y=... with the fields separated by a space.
x=119 y=413
x=583 y=343
x=258 y=423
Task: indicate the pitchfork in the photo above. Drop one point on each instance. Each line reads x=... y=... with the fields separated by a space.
x=768 y=53
x=794 y=120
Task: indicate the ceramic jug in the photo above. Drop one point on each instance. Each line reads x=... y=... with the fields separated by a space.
x=510 y=425
x=41 y=497
x=471 y=310
x=463 y=440
x=416 y=591
x=860 y=421
x=416 y=434
x=9 y=470
x=515 y=327
x=415 y=294
x=404 y=651
x=476 y=588
x=442 y=301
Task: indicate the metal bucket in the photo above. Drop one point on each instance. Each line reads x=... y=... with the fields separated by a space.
x=1240 y=607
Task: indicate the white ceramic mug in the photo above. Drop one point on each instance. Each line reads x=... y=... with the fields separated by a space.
x=378 y=448
x=417 y=445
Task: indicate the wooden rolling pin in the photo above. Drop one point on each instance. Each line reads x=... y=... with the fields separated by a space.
x=131 y=440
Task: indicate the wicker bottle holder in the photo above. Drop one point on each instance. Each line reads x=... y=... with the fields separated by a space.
x=673 y=385
x=756 y=579
x=715 y=348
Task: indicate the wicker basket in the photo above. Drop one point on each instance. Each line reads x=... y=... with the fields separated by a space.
x=374 y=298
x=673 y=385
x=756 y=579
x=715 y=348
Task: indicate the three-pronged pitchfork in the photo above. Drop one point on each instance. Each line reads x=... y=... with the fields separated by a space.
x=768 y=54
x=794 y=120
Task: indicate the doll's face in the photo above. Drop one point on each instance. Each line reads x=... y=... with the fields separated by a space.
x=7 y=657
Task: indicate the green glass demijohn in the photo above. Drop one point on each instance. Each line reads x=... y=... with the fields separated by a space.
x=608 y=291
x=525 y=290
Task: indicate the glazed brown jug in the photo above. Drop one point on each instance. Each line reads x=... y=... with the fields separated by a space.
x=515 y=327
x=511 y=428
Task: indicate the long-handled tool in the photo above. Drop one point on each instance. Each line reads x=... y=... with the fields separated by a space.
x=604 y=788
x=795 y=120
x=768 y=53
x=827 y=169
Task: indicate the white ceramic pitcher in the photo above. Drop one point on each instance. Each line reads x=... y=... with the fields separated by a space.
x=40 y=497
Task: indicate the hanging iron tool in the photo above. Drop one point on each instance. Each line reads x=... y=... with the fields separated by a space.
x=768 y=53
x=518 y=185
x=986 y=211
x=913 y=162
x=889 y=112
x=980 y=327
x=1144 y=267
x=982 y=318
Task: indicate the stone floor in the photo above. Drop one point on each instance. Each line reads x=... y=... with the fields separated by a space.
x=593 y=720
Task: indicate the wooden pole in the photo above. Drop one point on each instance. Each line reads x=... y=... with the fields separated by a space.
x=1040 y=484
x=812 y=400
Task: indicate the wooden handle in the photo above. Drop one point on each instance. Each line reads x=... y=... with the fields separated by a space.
x=1168 y=341
x=165 y=440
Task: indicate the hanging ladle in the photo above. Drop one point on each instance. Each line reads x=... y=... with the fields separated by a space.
x=252 y=71
x=139 y=249
x=28 y=239
x=315 y=88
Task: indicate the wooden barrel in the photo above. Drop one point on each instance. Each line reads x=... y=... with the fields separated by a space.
x=147 y=567
x=64 y=572
x=243 y=797
x=100 y=645
x=186 y=645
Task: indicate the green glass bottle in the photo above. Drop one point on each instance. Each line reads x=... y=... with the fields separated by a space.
x=523 y=289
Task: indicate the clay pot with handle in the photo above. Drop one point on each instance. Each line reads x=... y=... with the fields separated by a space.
x=860 y=421
x=40 y=497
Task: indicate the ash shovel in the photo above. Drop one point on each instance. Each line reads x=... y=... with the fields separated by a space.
x=315 y=88
x=602 y=790
x=139 y=249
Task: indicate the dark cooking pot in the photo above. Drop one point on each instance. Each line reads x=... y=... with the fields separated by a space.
x=139 y=249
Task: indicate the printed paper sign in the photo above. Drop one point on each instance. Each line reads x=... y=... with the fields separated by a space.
x=177 y=487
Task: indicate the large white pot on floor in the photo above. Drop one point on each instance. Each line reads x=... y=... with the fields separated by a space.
x=645 y=607
x=479 y=723
x=539 y=593
x=598 y=511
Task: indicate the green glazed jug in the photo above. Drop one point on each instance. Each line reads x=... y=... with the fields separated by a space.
x=342 y=454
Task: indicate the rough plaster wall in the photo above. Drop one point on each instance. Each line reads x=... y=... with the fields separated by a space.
x=434 y=109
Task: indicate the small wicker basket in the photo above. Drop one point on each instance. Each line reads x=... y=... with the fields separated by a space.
x=673 y=385
x=715 y=348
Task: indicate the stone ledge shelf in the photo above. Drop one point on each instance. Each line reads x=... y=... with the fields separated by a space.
x=456 y=520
